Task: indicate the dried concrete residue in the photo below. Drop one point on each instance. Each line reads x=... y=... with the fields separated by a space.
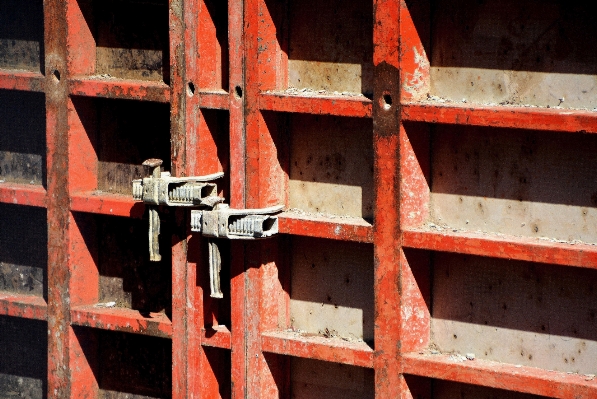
x=456 y=357
x=417 y=83
x=107 y=305
x=103 y=76
x=453 y=356
x=433 y=99
x=324 y=333
x=301 y=212
x=448 y=229
x=306 y=92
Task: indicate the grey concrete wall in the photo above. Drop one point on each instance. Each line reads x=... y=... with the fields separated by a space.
x=515 y=312
x=332 y=288
x=528 y=183
x=21 y=35
x=131 y=39
x=515 y=52
x=133 y=366
x=127 y=277
x=330 y=45
x=331 y=165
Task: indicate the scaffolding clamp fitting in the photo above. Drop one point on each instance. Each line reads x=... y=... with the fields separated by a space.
x=244 y=224
x=160 y=188
x=222 y=222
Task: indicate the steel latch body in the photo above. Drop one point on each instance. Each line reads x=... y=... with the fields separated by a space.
x=222 y=222
x=244 y=224
x=163 y=189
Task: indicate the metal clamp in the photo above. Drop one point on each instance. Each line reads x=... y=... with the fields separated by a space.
x=223 y=222
x=244 y=224
x=163 y=189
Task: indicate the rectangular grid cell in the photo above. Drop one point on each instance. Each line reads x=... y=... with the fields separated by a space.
x=512 y=312
x=331 y=172
x=128 y=365
x=322 y=47
x=331 y=289
x=513 y=53
x=23 y=364
x=22 y=35
x=23 y=250
x=119 y=136
x=127 y=279
x=130 y=38
x=22 y=137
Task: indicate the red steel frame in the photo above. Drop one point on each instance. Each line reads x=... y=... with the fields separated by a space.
x=257 y=294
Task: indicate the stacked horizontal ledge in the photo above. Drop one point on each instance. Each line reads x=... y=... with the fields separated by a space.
x=216 y=337
x=20 y=80
x=503 y=246
x=24 y=306
x=97 y=86
x=510 y=377
x=122 y=319
x=22 y=194
x=338 y=105
x=519 y=117
x=345 y=228
x=317 y=347
x=106 y=204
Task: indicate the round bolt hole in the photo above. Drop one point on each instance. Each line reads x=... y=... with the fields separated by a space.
x=191 y=89
x=56 y=75
x=386 y=101
x=238 y=92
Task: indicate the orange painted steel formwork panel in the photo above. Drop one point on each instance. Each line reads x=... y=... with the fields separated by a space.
x=435 y=161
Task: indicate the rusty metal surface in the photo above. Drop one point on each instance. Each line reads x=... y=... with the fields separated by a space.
x=23 y=253
x=214 y=62
x=22 y=35
x=22 y=137
x=271 y=93
x=23 y=363
x=55 y=34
